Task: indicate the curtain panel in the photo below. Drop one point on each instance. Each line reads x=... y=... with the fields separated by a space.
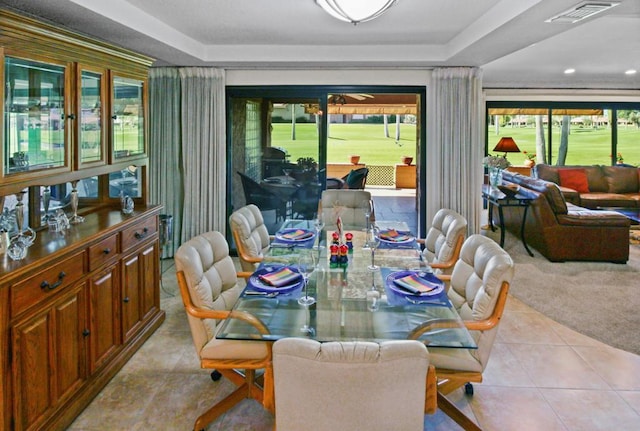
x=455 y=144
x=187 y=155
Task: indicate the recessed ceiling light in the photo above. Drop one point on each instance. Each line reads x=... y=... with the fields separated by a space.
x=569 y=71
x=630 y=72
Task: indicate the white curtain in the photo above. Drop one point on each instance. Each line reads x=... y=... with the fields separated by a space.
x=455 y=144
x=165 y=154
x=203 y=150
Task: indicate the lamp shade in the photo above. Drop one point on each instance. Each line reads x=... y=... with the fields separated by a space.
x=506 y=145
x=355 y=11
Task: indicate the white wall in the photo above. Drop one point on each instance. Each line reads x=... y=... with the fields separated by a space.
x=410 y=77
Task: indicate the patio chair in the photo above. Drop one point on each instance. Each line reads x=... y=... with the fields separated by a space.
x=356 y=179
x=262 y=197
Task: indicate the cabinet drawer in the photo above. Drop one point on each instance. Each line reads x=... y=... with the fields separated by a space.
x=102 y=252
x=139 y=233
x=46 y=283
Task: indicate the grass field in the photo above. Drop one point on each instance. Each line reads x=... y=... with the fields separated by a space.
x=586 y=145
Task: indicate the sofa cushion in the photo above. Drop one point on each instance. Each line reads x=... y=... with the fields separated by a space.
x=596 y=179
x=574 y=178
x=621 y=179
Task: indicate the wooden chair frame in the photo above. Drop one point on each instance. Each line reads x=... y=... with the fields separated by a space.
x=450 y=380
x=248 y=387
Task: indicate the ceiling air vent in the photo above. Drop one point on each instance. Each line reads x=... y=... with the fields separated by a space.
x=582 y=11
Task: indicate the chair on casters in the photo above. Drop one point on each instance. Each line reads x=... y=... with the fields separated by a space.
x=355 y=385
x=478 y=289
x=351 y=204
x=444 y=240
x=250 y=235
x=208 y=285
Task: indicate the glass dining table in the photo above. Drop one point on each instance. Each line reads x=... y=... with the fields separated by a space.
x=352 y=302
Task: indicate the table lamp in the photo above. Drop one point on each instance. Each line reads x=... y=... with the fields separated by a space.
x=506 y=145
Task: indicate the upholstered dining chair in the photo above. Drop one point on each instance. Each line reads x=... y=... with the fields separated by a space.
x=444 y=240
x=478 y=290
x=209 y=288
x=356 y=385
x=250 y=235
x=350 y=204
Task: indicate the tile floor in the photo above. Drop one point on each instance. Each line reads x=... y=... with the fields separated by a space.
x=541 y=376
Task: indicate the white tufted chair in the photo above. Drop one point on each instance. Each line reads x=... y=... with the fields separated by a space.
x=250 y=235
x=478 y=289
x=209 y=288
x=351 y=203
x=444 y=240
x=352 y=385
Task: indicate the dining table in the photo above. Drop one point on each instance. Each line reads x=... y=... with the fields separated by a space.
x=352 y=301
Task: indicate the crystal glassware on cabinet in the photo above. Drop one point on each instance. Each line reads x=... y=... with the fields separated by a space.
x=46 y=201
x=75 y=218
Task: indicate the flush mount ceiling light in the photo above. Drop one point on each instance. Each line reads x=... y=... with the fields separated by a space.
x=582 y=11
x=355 y=11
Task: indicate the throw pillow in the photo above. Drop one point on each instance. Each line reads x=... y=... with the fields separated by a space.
x=574 y=179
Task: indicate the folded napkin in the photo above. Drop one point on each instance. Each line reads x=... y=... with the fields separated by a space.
x=282 y=277
x=297 y=235
x=394 y=236
x=414 y=284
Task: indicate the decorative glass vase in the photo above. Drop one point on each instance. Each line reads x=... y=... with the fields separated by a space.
x=495 y=177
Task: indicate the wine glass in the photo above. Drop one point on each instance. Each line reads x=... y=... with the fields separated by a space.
x=288 y=178
x=306 y=266
x=368 y=210
x=318 y=225
x=373 y=240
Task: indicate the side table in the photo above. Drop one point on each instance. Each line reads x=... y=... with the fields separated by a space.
x=495 y=197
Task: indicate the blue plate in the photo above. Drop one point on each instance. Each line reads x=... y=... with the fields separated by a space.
x=280 y=237
x=256 y=284
x=405 y=241
x=427 y=276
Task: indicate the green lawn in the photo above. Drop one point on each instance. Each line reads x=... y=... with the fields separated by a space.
x=586 y=145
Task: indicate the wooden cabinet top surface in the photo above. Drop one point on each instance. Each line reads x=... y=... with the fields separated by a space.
x=49 y=247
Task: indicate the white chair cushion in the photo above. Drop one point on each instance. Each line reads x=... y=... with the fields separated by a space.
x=447 y=227
x=349 y=385
x=249 y=225
x=349 y=204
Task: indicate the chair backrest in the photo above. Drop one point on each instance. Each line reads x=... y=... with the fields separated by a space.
x=305 y=201
x=356 y=179
x=211 y=278
x=350 y=204
x=444 y=240
x=250 y=235
x=349 y=385
x=480 y=277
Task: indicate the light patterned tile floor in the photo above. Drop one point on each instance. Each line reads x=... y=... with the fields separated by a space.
x=531 y=383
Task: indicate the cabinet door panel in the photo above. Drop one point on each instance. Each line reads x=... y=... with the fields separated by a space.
x=49 y=364
x=131 y=314
x=149 y=259
x=104 y=329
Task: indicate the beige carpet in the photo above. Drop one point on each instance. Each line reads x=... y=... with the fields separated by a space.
x=598 y=299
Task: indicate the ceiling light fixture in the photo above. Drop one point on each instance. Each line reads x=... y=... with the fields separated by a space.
x=630 y=72
x=355 y=11
x=569 y=71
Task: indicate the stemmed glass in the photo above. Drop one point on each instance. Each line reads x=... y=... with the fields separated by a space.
x=288 y=178
x=372 y=241
x=368 y=210
x=318 y=225
x=306 y=266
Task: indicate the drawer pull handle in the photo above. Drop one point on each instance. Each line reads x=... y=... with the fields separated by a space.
x=86 y=333
x=106 y=251
x=126 y=299
x=46 y=286
x=139 y=235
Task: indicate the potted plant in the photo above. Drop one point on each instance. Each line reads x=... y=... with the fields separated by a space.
x=354 y=159
x=306 y=169
x=407 y=160
x=530 y=160
x=495 y=165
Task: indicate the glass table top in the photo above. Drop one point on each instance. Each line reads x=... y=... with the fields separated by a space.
x=352 y=301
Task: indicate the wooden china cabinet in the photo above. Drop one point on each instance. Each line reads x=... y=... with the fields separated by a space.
x=84 y=299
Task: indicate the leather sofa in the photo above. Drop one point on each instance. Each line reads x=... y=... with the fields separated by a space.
x=595 y=186
x=562 y=231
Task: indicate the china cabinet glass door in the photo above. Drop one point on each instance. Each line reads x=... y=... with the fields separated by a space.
x=91 y=142
x=127 y=133
x=34 y=119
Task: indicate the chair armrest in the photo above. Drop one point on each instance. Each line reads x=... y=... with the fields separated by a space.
x=444 y=277
x=432 y=324
x=244 y=274
x=431 y=395
x=494 y=318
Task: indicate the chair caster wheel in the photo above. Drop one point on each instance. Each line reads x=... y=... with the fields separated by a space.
x=468 y=389
x=215 y=375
